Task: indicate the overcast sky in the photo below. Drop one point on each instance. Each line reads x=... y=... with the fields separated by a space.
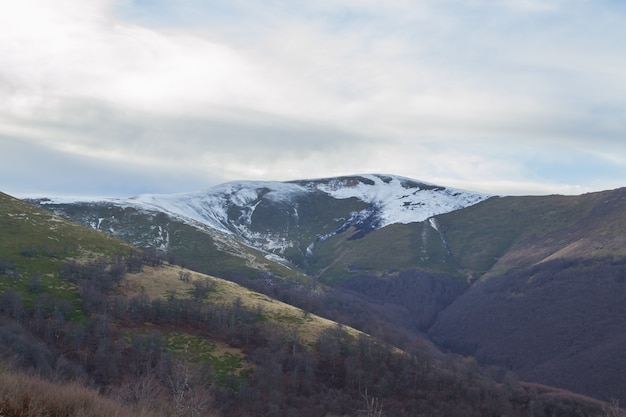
x=122 y=97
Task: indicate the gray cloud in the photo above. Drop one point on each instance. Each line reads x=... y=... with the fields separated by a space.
x=29 y=170
x=181 y=94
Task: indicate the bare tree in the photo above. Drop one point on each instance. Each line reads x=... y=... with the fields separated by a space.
x=184 y=276
x=190 y=397
x=373 y=408
x=613 y=409
x=201 y=288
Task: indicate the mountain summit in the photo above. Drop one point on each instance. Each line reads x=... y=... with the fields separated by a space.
x=274 y=216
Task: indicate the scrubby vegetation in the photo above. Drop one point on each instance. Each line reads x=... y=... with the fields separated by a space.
x=560 y=322
x=127 y=350
x=24 y=395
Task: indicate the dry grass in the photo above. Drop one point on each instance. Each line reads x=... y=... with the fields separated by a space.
x=23 y=395
x=164 y=281
x=309 y=326
x=159 y=282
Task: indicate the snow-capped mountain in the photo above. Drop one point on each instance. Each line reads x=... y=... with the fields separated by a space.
x=397 y=199
x=276 y=216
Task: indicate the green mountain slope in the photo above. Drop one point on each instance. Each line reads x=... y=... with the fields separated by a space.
x=196 y=247
x=33 y=239
x=34 y=244
x=501 y=234
x=394 y=248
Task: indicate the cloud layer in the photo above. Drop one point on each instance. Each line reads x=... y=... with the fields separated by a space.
x=124 y=97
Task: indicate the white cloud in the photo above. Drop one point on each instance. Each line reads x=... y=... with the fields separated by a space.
x=276 y=91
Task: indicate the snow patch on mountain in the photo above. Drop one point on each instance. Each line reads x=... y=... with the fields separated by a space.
x=402 y=200
x=211 y=207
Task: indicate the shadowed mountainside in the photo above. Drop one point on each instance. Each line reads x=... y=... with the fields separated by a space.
x=561 y=323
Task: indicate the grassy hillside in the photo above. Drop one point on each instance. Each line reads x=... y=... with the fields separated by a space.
x=203 y=250
x=514 y=232
x=599 y=233
x=34 y=240
x=35 y=243
x=391 y=249
x=166 y=282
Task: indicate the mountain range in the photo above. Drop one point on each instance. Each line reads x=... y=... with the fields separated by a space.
x=533 y=284
x=286 y=223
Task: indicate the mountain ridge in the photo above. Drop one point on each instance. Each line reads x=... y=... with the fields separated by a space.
x=399 y=200
x=267 y=215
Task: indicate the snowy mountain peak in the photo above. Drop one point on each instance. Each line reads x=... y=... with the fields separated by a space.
x=276 y=216
x=399 y=199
